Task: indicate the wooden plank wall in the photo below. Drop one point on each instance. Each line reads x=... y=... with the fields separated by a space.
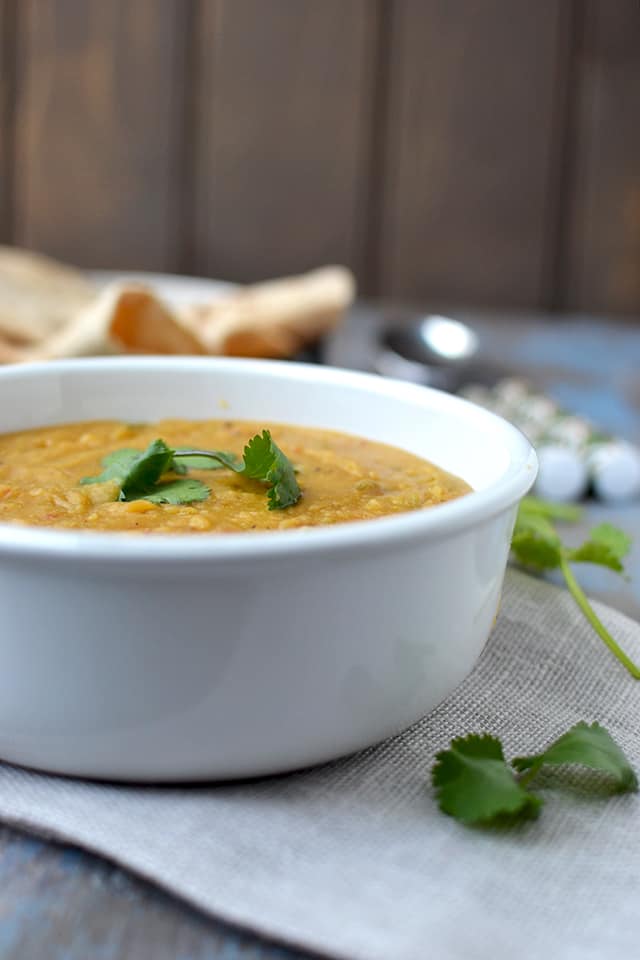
x=284 y=116
x=603 y=245
x=98 y=130
x=471 y=148
x=462 y=151
x=7 y=105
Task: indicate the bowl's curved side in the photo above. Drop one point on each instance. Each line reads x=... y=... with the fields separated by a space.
x=122 y=679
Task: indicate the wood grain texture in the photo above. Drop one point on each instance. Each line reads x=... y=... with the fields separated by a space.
x=468 y=205
x=60 y=902
x=284 y=114
x=99 y=99
x=7 y=101
x=603 y=253
x=445 y=151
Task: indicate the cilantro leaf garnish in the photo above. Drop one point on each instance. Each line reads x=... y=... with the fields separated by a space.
x=552 y=511
x=475 y=784
x=537 y=544
x=116 y=466
x=145 y=471
x=138 y=473
x=606 y=546
x=184 y=460
x=178 y=491
x=589 y=746
x=262 y=460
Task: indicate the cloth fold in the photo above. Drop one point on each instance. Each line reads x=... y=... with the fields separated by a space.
x=354 y=860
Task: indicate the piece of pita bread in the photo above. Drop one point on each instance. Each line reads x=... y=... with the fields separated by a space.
x=272 y=319
x=11 y=352
x=276 y=318
x=38 y=296
x=123 y=318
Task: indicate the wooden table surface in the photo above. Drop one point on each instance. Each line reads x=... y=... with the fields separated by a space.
x=60 y=903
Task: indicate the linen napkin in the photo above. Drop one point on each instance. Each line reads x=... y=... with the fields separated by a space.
x=353 y=859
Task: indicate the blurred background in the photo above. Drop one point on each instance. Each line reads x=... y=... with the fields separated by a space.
x=482 y=152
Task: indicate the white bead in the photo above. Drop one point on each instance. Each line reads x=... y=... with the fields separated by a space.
x=615 y=471
x=562 y=474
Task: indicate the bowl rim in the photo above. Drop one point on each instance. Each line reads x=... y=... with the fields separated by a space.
x=436 y=523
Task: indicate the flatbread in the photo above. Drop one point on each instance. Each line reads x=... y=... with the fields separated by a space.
x=276 y=318
x=48 y=311
x=38 y=296
x=10 y=352
x=123 y=318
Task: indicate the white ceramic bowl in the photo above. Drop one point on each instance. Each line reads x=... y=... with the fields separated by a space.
x=189 y=657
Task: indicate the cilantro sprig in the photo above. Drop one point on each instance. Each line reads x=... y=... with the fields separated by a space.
x=262 y=460
x=537 y=544
x=475 y=784
x=473 y=781
x=139 y=473
x=587 y=745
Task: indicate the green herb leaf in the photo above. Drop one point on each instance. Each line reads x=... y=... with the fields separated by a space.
x=178 y=491
x=474 y=784
x=116 y=466
x=184 y=461
x=535 y=542
x=138 y=474
x=264 y=460
x=135 y=472
x=145 y=471
x=590 y=746
x=606 y=546
x=614 y=538
x=566 y=512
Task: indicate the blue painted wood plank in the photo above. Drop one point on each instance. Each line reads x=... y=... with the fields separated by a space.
x=60 y=903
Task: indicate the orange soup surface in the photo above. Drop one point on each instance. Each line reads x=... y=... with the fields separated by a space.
x=342 y=478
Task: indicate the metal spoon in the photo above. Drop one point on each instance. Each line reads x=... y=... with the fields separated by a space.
x=437 y=351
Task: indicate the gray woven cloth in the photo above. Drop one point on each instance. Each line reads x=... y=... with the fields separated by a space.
x=354 y=860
